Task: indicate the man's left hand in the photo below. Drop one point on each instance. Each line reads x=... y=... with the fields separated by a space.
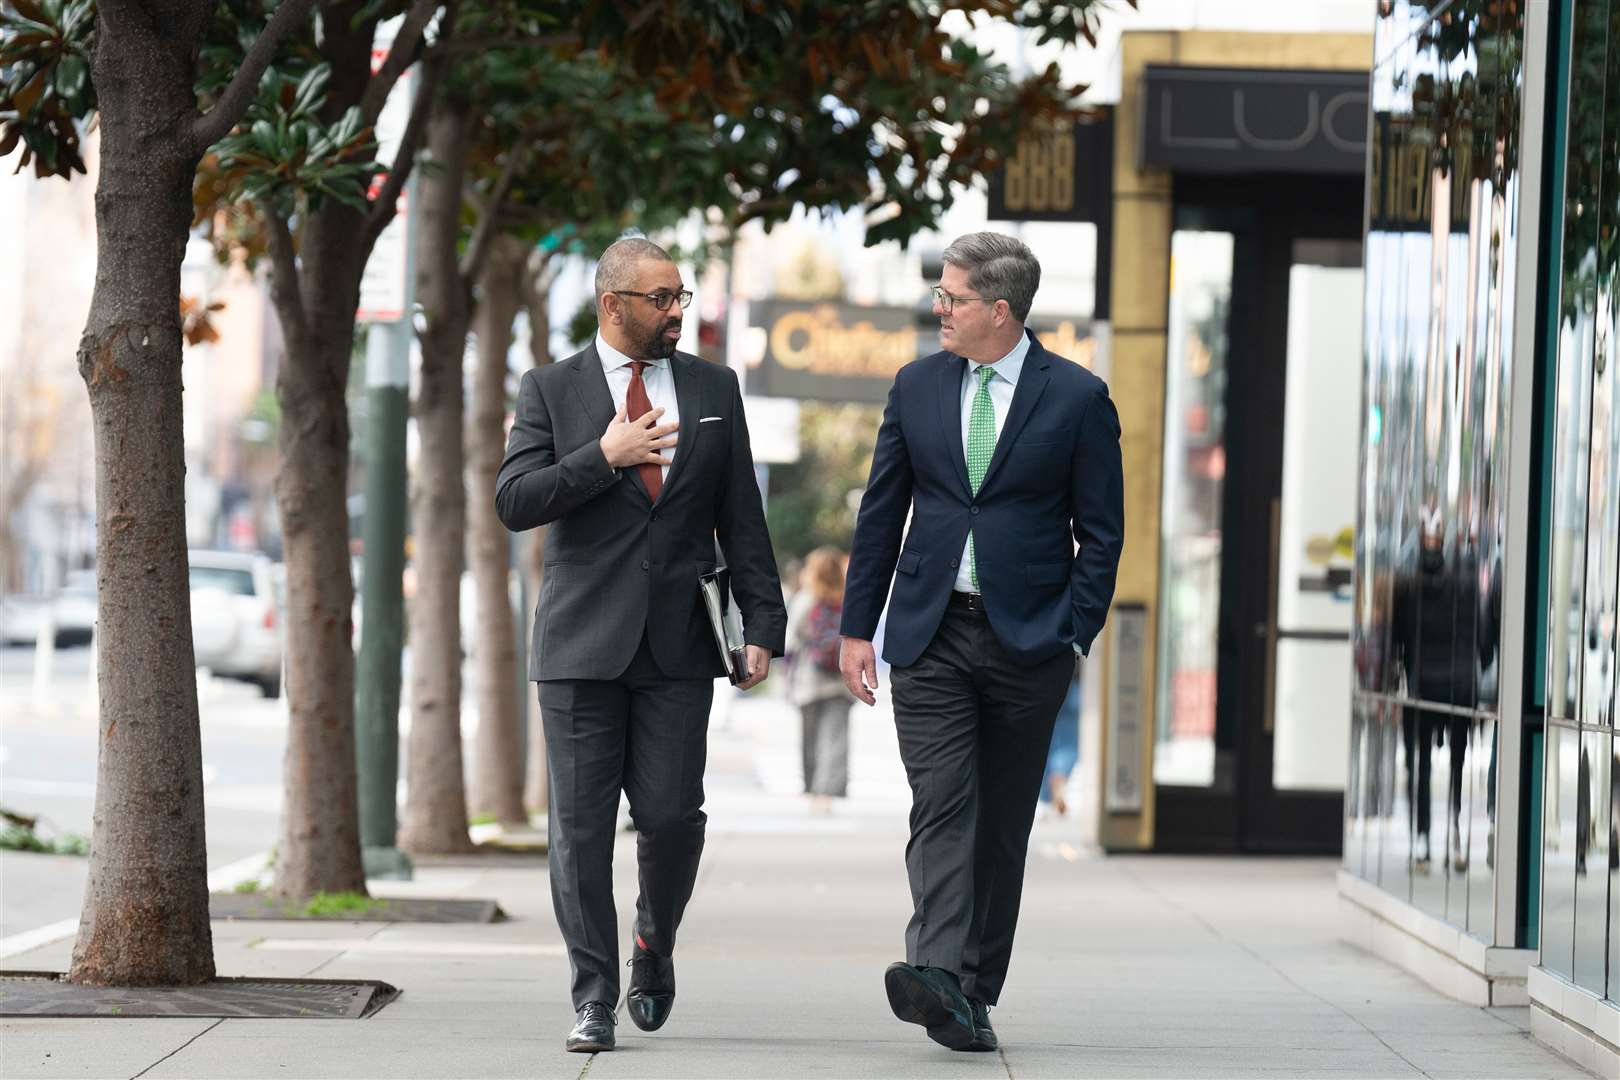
x=759 y=666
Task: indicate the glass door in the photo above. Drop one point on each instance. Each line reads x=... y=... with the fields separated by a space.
x=1313 y=519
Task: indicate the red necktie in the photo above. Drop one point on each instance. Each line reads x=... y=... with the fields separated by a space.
x=652 y=476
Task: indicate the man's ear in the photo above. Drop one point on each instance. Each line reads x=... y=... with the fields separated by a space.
x=609 y=308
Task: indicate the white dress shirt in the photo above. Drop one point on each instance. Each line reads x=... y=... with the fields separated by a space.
x=1001 y=394
x=659 y=378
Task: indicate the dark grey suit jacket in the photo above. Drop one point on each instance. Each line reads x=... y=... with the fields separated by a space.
x=617 y=563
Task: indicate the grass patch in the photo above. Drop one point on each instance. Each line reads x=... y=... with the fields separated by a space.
x=342 y=903
x=21 y=834
x=251 y=885
x=482 y=819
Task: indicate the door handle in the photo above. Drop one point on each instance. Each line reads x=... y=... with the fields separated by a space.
x=1269 y=627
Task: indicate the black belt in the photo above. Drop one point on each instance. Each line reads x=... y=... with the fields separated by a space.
x=967 y=601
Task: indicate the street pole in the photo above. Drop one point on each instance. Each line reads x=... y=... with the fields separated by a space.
x=385 y=305
x=382 y=604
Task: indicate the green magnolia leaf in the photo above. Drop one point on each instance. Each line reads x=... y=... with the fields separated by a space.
x=310 y=88
x=71 y=74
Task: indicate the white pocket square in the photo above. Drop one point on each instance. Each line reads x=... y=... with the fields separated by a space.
x=710 y=419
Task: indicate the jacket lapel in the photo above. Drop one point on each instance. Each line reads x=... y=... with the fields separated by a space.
x=689 y=401
x=590 y=382
x=950 y=417
x=1032 y=382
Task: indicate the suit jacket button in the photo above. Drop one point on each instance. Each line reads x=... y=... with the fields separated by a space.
x=954 y=563
x=645 y=564
x=973 y=509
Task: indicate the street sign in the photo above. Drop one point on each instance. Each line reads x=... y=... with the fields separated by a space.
x=383 y=292
x=830 y=351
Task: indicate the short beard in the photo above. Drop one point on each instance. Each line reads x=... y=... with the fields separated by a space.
x=657 y=346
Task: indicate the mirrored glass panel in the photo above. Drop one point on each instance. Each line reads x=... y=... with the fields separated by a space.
x=1479 y=831
x=1356 y=815
x=1395 y=854
x=1194 y=480
x=1592 y=826
x=1614 y=868
x=1558 y=850
x=1569 y=637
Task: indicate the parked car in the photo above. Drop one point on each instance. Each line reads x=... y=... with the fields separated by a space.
x=71 y=612
x=236 y=617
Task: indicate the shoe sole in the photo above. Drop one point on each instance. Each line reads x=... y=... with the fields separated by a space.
x=915 y=1002
x=588 y=1047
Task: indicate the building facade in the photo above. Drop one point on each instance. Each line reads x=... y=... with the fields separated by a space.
x=1482 y=800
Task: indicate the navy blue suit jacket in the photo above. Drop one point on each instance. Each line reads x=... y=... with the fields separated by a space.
x=1055 y=480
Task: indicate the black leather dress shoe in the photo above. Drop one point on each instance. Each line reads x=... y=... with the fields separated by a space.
x=593 y=1030
x=652 y=989
x=933 y=998
x=984 y=1036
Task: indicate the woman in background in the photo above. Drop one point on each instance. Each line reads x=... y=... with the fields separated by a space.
x=814 y=683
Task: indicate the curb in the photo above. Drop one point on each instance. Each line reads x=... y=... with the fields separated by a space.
x=225 y=878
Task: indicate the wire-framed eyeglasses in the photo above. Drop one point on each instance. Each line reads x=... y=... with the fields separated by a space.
x=661 y=300
x=947 y=302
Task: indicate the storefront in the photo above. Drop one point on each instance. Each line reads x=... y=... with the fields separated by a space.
x=1236 y=293
x=1481 y=805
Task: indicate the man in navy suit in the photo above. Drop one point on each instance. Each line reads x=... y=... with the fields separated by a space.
x=1006 y=458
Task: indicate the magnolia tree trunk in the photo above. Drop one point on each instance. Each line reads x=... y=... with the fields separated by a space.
x=145 y=915
x=498 y=749
x=320 y=845
x=436 y=802
x=531 y=558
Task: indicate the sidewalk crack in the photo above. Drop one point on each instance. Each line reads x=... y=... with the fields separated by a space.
x=177 y=1049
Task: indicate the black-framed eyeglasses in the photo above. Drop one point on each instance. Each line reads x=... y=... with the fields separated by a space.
x=947 y=302
x=661 y=300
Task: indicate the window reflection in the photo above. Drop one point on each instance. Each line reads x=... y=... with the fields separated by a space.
x=1441 y=254
x=1194 y=480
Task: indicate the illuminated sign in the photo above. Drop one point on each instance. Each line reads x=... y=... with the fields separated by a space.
x=829 y=351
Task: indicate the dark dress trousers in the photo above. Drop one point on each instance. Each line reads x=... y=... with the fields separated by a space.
x=622 y=648
x=977 y=683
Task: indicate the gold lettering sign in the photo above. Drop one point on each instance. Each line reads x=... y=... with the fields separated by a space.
x=816 y=341
x=1040 y=175
x=1062 y=340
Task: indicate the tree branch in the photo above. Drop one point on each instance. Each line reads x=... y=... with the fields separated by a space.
x=410 y=143
x=478 y=248
x=284 y=285
x=216 y=123
x=400 y=56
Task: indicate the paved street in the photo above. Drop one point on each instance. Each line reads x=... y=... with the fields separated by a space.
x=1150 y=966
x=48 y=769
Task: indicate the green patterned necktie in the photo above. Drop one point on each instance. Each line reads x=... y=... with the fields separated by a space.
x=981 y=446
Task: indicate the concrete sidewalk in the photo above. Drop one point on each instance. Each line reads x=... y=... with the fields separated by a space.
x=1127 y=967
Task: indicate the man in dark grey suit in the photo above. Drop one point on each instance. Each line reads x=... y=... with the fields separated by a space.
x=622 y=648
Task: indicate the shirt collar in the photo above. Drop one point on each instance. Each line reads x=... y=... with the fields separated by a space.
x=613 y=359
x=1009 y=366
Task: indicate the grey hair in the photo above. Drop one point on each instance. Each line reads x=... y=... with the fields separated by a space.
x=616 y=269
x=1000 y=266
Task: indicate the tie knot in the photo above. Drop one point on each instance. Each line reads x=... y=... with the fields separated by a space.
x=986 y=373
x=638 y=366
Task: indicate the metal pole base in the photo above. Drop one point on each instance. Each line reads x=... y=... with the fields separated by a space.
x=386 y=864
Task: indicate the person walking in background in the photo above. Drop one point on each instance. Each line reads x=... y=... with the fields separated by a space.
x=1064 y=752
x=1005 y=457
x=814 y=682
x=623 y=649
